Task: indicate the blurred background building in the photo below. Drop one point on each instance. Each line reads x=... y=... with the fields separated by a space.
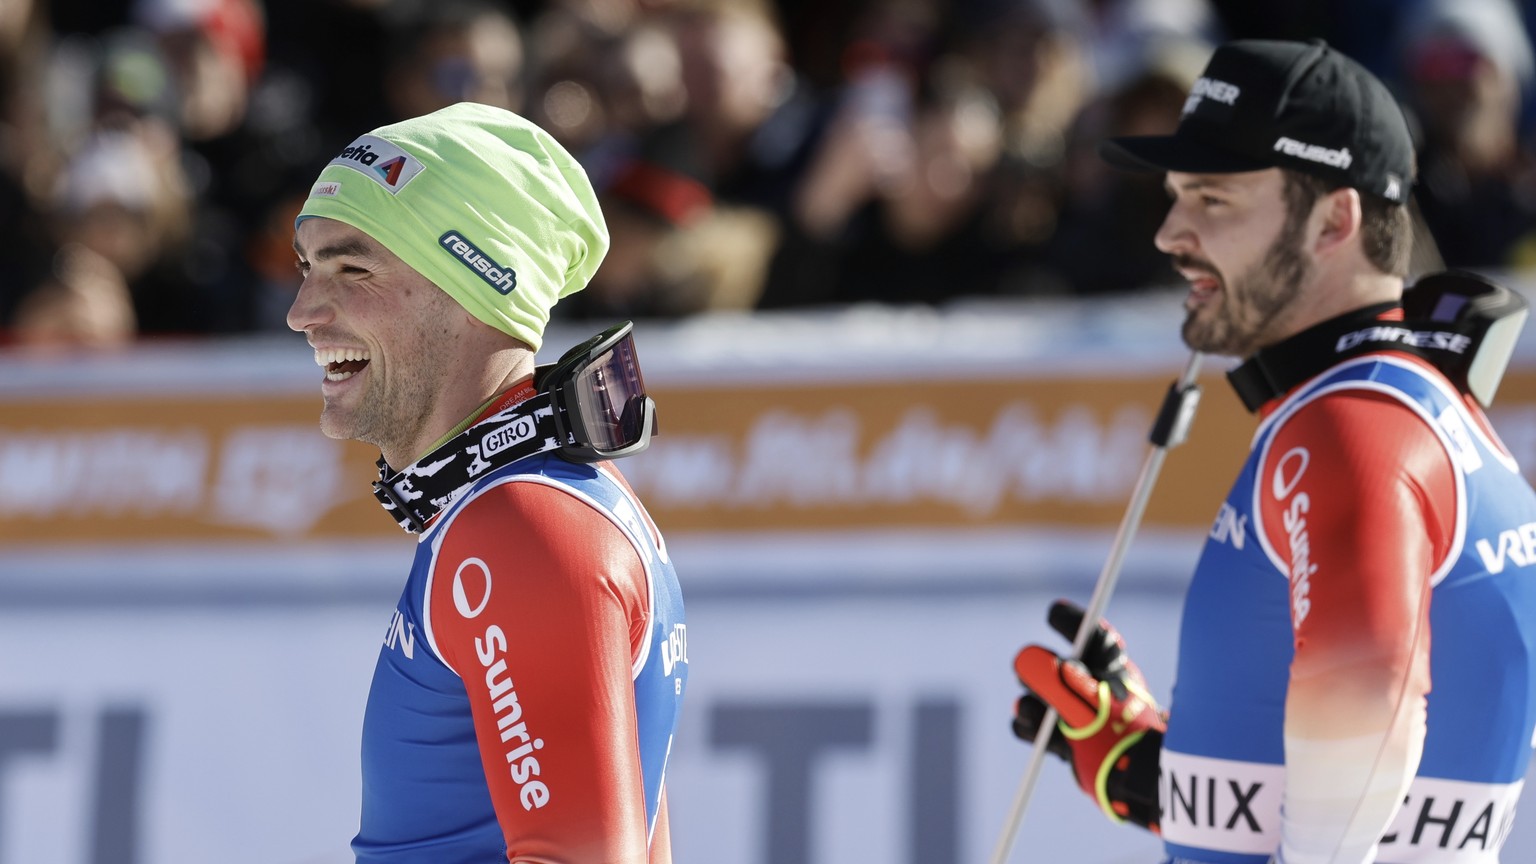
x=906 y=330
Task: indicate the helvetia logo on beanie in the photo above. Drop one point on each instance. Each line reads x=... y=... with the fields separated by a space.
x=498 y=276
x=380 y=161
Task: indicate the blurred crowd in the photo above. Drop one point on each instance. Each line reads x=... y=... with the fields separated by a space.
x=751 y=154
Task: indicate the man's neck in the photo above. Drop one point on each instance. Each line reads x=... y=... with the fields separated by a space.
x=1338 y=295
x=513 y=393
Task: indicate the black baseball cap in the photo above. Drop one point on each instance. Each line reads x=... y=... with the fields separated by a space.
x=1272 y=104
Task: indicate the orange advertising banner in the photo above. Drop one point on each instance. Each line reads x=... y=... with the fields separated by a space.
x=166 y=468
x=738 y=458
x=966 y=453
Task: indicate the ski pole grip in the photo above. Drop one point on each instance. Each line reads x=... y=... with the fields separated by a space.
x=1174 y=418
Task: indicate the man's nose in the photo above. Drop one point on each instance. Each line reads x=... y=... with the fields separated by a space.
x=310 y=307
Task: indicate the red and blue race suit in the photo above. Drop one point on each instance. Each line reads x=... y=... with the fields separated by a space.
x=1357 y=663
x=524 y=703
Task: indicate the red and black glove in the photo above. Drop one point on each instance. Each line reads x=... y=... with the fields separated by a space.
x=1111 y=730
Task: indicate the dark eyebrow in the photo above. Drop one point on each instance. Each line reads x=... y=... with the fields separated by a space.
x=1195 y=185
x=353 y=247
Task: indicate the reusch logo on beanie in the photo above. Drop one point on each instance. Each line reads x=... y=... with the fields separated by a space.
x=498 y=276
x=1271 y=104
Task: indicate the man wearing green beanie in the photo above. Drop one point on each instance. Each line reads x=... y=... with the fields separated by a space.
x=525 y=699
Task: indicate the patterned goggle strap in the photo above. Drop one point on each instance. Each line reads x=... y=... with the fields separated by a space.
x=418 y=492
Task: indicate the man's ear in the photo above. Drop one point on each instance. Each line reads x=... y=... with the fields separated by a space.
x=1335 y=221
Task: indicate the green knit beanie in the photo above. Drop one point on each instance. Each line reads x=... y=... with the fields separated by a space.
x=480 y=201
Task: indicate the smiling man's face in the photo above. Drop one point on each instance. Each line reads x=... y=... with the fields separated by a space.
x=386 y=337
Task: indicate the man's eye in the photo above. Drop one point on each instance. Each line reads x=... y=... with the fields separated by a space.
x=1210 y=200
x=302 y=267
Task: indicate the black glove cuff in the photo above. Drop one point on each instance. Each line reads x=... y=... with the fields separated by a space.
x=1136 y=784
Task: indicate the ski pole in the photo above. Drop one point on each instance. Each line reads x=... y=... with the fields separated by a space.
x=1168 y=431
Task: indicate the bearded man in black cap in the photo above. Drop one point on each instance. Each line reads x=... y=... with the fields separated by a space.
x=1356 y=674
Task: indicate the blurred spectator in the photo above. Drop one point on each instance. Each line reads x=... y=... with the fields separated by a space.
x=933 y=234
x=24 y=254
x=1102 y=244
x=920 y=210
x=330 y=55
x=566 y=49
x=747 y=115
x=604 y=83
x=125 y=181
x=269 y=260
x=673 y=251
x=690 y=122
x=216 y=49
x=1033 y=57
x=958 y=194
x=133 y=80
x=24 y=42
x=867 y=145
x=650 y=198
x=1468 y=64
x=642 y=79
x=1122 y=34
x=84 y=304
x=719 y=262
x=123 y=196
x=457 y=52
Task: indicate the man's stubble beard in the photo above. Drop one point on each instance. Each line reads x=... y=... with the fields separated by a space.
x=1246 y=319
x=390 y=415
